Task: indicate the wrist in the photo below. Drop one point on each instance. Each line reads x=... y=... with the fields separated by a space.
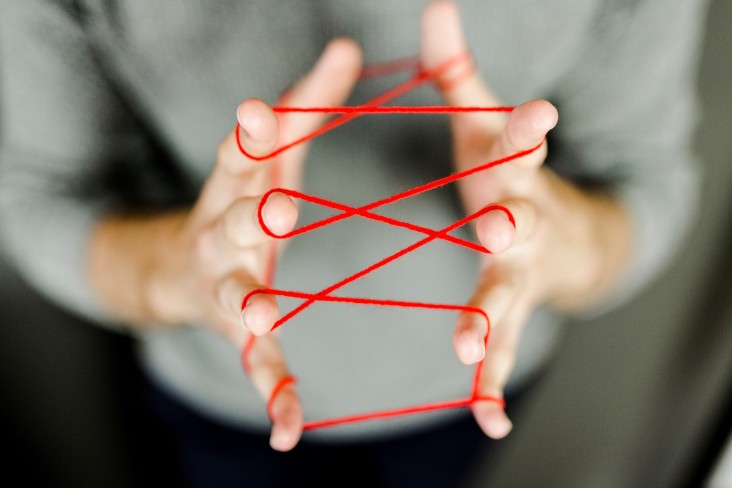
x=131 y=261
x=165 y=274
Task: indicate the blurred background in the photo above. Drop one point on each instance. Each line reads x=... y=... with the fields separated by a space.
x=639 y=397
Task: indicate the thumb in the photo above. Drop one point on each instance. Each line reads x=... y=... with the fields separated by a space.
x=459 y=82
x=328 y=83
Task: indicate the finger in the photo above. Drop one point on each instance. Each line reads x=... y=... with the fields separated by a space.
x=492 y=419
x=496 y=232
x=497 y=368
x=257 y=130
x=240 y=226
x=496 y=293
x=443 y=41
x=260 y=311
x=258 y=126
x=328 y=83
x=468 y=339
x=528 y=125
x=235 y=174
x=287 y=419
x=526 y=128
x=268 y=371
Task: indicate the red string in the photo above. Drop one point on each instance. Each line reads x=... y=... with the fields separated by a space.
x=375 y=106
x=378 y=70
x=382 y=414
x=389 y=110
x=276 y=391
x=420 y=77
x=321 y=296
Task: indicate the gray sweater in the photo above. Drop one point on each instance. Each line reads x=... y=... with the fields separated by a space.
x=110 y=105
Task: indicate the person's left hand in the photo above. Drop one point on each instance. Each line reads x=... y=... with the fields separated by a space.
x=565 y=242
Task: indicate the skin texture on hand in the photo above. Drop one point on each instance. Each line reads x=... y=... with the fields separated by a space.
x=568 y=246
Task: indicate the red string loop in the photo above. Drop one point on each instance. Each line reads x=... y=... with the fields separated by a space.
x=464 y=66
x=323 y=295
x=287 y=380
x=418 y=79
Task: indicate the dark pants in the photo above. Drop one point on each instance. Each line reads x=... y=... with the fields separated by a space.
x=210 y=454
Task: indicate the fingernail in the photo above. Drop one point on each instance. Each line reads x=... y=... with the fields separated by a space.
x=249 y=123
x=496 y=231
x=472 y=350
x=480 y=349
x=266 y=210
x=281 y=222
x=246 y=314
x=242 y=321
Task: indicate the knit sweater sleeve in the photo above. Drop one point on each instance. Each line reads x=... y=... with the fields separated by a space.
x=63 y=135
x=627 y=119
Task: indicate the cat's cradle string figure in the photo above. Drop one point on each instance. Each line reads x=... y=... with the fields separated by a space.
x=463 y=66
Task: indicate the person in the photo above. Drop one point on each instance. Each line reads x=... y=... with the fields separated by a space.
x=120 y=202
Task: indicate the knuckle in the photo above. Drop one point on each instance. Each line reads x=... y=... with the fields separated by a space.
x=221 y=294
x=203 y=245
x=526 y=215
x=232 y=229
x=519 y=207
x=223 y=154
x=239 y=223
x=228 y=157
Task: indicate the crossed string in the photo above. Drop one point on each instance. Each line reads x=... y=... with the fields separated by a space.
x=376 y=106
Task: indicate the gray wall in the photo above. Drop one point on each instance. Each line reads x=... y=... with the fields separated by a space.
x=634 y=398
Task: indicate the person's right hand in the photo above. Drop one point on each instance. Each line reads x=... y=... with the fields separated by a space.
x=218 y=251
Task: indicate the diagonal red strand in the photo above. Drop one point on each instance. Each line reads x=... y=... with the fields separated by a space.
x=400 y=109
x=364 y=211
x=383 y=262
x=325 y=297
x=418 y=79
x=386 y=413
x=350 y=211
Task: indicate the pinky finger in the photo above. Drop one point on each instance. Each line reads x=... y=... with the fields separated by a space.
x=285 y=411
x=492 y=419
x=497 y=368
x=265 y=364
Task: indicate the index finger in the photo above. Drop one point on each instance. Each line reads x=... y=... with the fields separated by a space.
x=236 y=175
x=256 y=132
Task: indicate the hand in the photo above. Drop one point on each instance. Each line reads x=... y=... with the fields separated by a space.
x=196 y=266
x=567 y=246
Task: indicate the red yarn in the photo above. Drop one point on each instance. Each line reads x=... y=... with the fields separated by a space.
x=389 y=110
x=420 y=77
x=389 y=67
x=375 y=106
x=321 y=296
x=275 y=391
